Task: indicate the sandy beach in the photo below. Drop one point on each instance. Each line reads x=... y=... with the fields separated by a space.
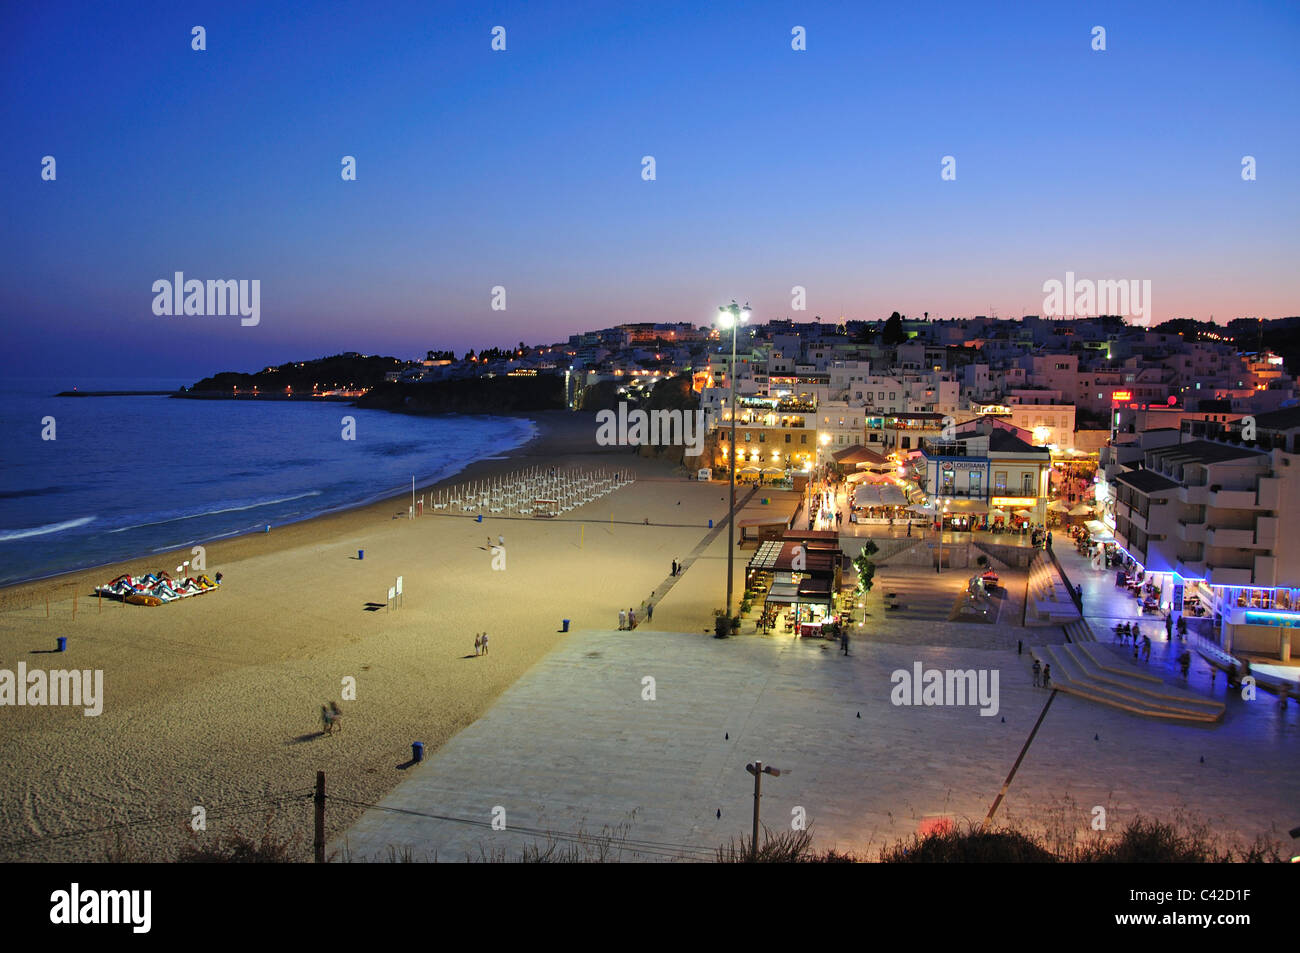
x=214 y=701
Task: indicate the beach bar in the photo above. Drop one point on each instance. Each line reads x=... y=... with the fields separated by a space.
x=798 y=577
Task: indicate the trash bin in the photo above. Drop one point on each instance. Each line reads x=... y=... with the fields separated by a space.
x=566 y=626
x=417 y=751
x=63 y=644
x=361 y=554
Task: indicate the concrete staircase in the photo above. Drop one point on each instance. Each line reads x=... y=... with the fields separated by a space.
x=1049 y=602
x=1092 y=671
x=1079 y=631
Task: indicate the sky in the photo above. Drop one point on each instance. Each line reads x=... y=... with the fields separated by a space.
x=523 y=168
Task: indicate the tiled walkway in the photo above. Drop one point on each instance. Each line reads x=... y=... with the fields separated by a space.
x=574 y=745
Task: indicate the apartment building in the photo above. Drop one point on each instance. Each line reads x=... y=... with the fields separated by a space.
x=1209 y=513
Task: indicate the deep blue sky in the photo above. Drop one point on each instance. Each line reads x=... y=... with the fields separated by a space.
x=522 y=168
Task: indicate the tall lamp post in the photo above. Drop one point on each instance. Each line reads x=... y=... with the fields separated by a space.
x=732 y=316
x=758 y=769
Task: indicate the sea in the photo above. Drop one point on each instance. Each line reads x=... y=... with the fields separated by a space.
x=86 y=481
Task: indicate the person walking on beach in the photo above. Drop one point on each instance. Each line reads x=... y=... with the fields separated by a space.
x=478 y=643
x=485 y=643
x=622 y=620
x=501 y=541
x=1047 y=675
x=649 y=611
x=631 y=618
x=1038 y=674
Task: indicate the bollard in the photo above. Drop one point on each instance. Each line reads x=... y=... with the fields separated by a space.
x=361 y=554
x=417 y=751
x=63 y=644
x=566 y=626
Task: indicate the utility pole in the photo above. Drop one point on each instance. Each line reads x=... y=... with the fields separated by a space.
x=320 y=817
x=757 y=769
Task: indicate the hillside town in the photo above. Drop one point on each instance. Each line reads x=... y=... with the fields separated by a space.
x=1169 y=453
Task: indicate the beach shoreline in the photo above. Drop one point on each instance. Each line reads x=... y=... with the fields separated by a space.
x=551 y=434
x=215 y=700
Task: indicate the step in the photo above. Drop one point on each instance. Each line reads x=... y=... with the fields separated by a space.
x=1073 y=672
x=1147 y=688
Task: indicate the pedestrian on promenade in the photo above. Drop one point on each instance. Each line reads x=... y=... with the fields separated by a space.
x=1047 y=675
x=1049 y=539
x=844 y=641
x=674 y=572
x=1185 y=662
x=1146 y=646
x=478 y=643
x=1038 y=673
x=485 y=643
x=1169 y=627
x=631 y=618
x=622 y=620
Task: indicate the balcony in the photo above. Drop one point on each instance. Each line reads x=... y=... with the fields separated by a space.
x=1191 y=532
x=1231 y=538
x=1265 y=571
x=1190 y=568
x=1233 y=499
x=1269 y=494
x=1194 y=495
x=1228 y=575
x=1266 y=532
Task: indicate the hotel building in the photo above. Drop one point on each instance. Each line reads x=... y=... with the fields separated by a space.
x=1206 y=515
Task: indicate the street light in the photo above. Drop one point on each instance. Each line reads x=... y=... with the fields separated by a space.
x=732 y=316
x=758 y=769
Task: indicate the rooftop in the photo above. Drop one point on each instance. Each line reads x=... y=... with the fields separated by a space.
x=1204 y=451
x=1146 y=481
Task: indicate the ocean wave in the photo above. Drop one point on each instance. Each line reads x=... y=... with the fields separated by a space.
x=224 y=509
x=8 y=534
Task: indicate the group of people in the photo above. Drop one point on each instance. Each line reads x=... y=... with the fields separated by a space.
x=480 y=643
x=1141 y=643
x=627 y=619
x=1042 y=675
